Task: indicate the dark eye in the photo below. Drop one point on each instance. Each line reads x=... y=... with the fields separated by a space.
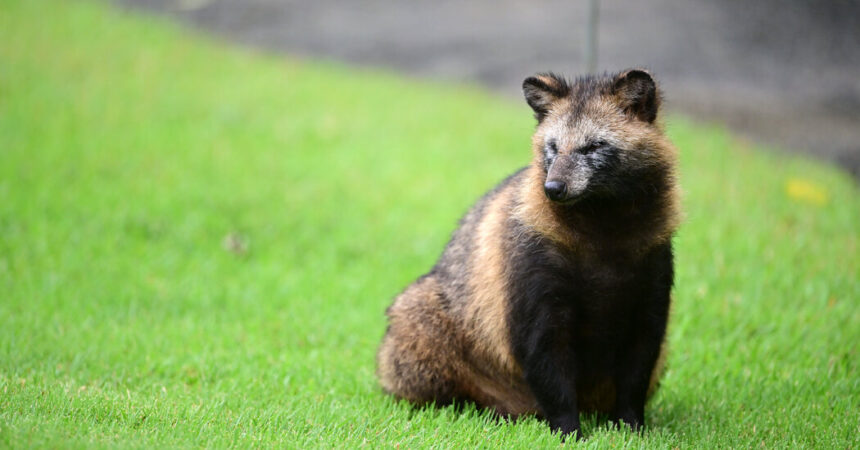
x=552 y=147
x=594 y=145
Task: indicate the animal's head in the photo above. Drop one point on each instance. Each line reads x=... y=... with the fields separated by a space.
x=597 y=137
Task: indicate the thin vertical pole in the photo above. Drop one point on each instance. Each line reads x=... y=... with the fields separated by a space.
x=591 y=37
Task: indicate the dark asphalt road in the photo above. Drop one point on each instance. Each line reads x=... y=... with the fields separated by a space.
x=783 y=72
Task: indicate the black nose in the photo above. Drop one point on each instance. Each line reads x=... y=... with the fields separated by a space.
x=554 y=190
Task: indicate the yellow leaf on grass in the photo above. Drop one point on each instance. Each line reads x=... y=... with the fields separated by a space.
x=806 y=191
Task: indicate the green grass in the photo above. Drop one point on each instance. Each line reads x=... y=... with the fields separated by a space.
x=130 y=150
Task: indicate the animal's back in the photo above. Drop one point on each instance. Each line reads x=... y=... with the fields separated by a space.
x=452 y=322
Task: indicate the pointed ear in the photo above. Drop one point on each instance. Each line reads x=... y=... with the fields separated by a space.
x=542 y=90
x=637 y=94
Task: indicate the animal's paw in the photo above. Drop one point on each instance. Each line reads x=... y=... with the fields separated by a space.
x=629 y=418
x=568 y=425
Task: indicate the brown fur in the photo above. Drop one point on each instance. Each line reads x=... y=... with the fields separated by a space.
x=448 y=334
x=545 y=216
x=464 y=347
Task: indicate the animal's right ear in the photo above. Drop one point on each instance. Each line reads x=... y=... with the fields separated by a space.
x=542 y=90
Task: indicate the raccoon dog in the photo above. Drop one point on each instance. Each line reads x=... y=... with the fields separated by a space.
x=553 y=294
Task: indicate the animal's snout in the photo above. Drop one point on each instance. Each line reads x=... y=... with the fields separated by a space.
x=554 y=190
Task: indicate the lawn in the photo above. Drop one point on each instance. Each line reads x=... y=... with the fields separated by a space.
x=197 y=244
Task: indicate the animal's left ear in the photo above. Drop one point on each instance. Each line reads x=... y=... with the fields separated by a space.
x=637 y=94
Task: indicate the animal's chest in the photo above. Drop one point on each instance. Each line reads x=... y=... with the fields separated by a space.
x=569 y=303
x=599 y=306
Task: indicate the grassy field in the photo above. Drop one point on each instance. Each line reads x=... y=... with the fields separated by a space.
x=197 y=244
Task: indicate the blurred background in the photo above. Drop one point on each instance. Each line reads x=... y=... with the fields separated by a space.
x=779 y=72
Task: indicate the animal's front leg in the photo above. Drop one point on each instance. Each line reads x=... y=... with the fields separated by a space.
x=633 y=366
x=642 y=343
x=548 y=367
x=633 y=370
x=631 y=382
x=556 y=397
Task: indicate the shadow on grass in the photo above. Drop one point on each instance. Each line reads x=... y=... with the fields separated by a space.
x=455 y=410
x=670 y=418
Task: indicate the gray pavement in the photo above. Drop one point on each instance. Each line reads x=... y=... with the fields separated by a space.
x=781 y=72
